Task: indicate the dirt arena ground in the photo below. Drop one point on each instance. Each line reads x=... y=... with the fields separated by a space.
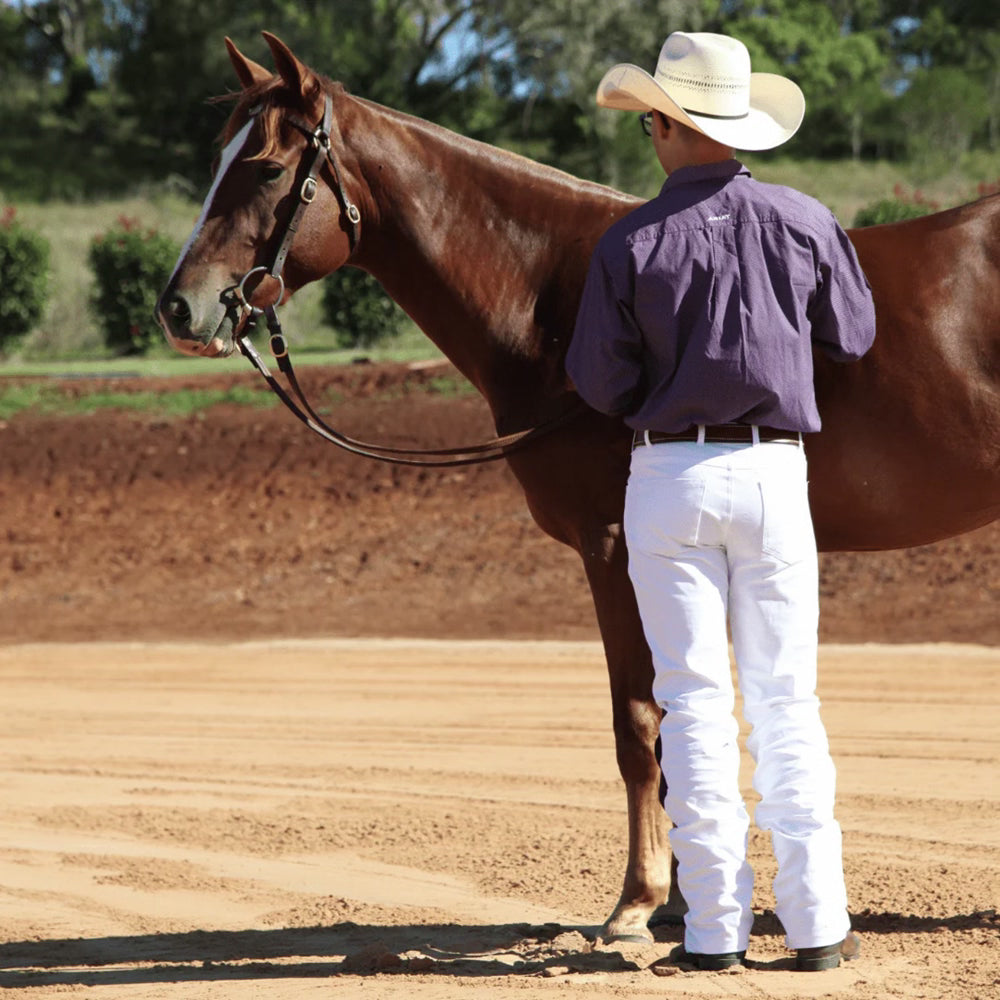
x=265 y=731
x=237 y=523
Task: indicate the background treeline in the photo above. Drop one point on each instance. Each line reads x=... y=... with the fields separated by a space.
x=108 y=127
x=102 y=96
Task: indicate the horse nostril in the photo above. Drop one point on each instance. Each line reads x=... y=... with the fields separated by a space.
x=178 y=310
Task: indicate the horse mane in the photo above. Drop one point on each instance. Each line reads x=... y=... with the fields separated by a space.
x=273 y=102
x=485 y=152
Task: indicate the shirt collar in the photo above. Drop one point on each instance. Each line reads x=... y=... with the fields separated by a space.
x=724 y=170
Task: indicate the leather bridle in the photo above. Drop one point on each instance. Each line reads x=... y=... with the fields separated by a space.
x=319 y=141
x=294 y=398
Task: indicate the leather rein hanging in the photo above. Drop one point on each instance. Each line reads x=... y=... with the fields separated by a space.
x=293 y=397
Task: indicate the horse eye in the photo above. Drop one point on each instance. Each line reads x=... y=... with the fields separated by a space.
x=271 y=172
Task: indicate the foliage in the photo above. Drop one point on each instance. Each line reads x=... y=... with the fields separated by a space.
x=942 y=113
x=24 y=278
x=986 y=189
x=840 y=61
x=899 y=208
x=109 y=94
x=131 y=266
x=105 y=97
x=358 y=309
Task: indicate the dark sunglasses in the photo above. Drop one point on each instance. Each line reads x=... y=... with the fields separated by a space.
x=646 y=121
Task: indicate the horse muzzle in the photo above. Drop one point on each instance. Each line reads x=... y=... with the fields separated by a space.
x=207 y=337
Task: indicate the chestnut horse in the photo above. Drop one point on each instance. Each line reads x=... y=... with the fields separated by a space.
x=487 y=252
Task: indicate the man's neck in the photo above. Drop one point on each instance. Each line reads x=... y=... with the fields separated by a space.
x=702 y=158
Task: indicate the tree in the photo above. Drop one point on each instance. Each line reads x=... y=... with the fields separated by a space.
x=942 y=111
x=841 y=64
x=111 y=93
x=55 y=113
x=393 y=51
x=65 y=34
x=552 y=57
x=962 y=35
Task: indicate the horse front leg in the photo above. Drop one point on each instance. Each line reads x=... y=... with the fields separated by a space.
x=648 y=885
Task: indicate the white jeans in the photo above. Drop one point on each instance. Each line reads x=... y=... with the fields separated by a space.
x=716 y=530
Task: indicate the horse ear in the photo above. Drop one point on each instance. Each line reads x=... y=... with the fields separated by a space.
x=247 y=70
x=296 y=74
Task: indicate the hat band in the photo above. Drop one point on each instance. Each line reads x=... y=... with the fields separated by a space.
x=721 y=118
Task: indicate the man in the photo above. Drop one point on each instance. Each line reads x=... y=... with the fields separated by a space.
x=697 y=323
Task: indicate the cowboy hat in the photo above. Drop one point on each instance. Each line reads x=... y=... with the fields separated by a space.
x=704 y=81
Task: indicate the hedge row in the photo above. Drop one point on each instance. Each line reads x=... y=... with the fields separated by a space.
x=131 y=265
x=24 y=277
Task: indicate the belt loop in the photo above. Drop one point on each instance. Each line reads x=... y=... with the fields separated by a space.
x=645 y=437
x=755 y=433
x=701 y=433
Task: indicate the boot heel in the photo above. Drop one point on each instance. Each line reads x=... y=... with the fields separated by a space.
x=827 y=956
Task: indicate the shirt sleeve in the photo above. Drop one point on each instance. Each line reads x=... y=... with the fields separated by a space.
x=842 y=312
x=605 y=354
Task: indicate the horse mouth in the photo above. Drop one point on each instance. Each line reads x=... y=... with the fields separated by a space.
x=224 y=342
x=221 y=343
x=216 y=348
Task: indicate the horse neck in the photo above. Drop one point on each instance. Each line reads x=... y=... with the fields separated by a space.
x=484 y=249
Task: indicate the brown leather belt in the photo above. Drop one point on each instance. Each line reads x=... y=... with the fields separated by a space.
x=719 y=434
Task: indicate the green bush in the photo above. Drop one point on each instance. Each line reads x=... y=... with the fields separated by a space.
x=131 y=267
x=358 y=309
x=24 y=278
x=892 y=210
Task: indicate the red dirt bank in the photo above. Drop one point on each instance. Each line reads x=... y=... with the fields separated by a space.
x=238 y=523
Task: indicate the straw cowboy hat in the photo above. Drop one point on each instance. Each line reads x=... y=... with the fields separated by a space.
x=704 y=81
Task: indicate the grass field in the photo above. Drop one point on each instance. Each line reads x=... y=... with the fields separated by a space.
x=44 y=398
x=68 y=341
x=847 y=186
x=162 y=398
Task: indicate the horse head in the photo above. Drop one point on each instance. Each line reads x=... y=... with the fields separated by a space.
x=254 y=243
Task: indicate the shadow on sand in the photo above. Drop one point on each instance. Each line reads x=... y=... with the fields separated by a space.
x=458 y=950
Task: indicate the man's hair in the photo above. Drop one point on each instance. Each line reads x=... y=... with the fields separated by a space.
x=675 y=123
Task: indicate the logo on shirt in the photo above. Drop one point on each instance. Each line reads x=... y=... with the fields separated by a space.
x=718 y=218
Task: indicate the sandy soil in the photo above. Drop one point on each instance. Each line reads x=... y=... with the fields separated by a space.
x=223 y=778
x=428 y=820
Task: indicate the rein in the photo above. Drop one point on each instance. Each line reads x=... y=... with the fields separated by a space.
x=293 y=397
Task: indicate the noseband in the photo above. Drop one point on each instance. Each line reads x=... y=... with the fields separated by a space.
x=319 y=141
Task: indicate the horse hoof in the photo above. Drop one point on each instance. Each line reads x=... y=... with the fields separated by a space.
x=627 y=939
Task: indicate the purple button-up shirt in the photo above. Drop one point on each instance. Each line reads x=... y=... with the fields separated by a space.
x=702 y=305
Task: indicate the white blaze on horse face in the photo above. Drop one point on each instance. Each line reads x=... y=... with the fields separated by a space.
x=228 y=158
